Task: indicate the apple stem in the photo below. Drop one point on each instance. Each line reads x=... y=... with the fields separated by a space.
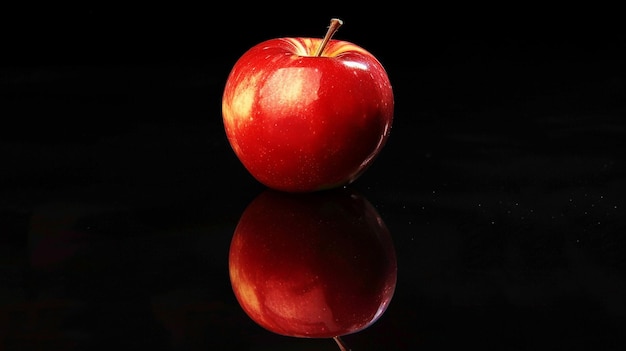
x=335 y=23
x=342 y=345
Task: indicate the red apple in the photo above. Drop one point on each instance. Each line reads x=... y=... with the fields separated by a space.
x=305 y=114
x=316 y=265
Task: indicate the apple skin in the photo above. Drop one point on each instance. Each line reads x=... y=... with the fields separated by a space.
x=315 y=265
x=301 y=123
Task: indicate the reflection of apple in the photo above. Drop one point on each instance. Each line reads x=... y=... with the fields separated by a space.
x=315 y=265
x=305 y=114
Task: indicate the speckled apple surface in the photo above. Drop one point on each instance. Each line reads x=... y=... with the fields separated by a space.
x=302 y=123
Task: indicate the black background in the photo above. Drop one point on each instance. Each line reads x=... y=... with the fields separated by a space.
x=502 y=183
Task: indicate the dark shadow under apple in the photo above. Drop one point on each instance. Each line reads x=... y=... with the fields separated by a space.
x=315 y=265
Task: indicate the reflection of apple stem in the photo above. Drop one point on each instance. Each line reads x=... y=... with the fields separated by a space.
x=342 y=345
x=335 y=23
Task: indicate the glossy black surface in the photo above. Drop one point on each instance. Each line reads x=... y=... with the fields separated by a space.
x=502 y=183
